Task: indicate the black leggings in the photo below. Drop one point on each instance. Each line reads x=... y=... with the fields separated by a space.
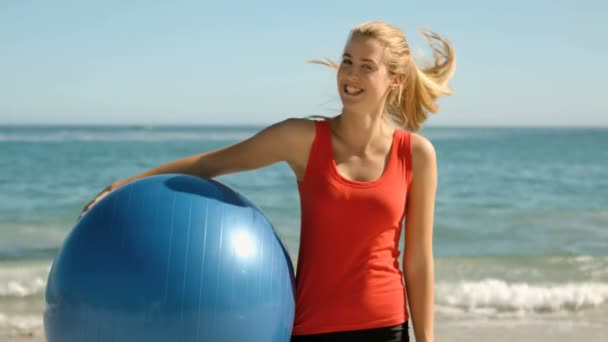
x=395 y=333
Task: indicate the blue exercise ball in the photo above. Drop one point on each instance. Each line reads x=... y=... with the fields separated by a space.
x=171 y=258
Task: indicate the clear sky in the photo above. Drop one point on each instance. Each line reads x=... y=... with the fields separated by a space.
x=519 y=62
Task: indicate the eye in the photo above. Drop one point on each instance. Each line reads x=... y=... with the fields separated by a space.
x=347 y=61
x=367 y=67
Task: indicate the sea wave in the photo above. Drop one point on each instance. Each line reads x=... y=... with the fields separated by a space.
x=23 y=288
x=20 y=324
x=495 y=296
x=22 y=280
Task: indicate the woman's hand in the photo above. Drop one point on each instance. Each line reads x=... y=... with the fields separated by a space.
x=101 y=195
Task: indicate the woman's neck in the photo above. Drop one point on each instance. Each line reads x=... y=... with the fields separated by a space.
x=360 y=131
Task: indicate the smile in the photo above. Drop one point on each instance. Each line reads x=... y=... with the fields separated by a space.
x=350 y=90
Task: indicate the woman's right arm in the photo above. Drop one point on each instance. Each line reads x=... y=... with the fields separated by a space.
x=275 y=143
x=270 y=145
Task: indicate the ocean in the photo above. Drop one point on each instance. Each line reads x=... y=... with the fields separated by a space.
x=521 y=221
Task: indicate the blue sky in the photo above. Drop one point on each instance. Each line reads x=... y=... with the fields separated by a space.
x=531 y=63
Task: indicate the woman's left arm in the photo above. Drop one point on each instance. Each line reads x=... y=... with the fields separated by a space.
x=418 y=262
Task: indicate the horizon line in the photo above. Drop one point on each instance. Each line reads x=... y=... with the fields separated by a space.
x=262 y=124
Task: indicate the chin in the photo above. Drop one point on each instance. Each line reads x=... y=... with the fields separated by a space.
x=350 y=103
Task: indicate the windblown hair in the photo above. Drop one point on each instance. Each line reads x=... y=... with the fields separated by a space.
x=416 y=96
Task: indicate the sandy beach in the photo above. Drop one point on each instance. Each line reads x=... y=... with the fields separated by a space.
x=450 y=331
x=451 y=334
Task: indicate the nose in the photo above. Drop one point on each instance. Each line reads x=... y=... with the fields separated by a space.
x=351 y=74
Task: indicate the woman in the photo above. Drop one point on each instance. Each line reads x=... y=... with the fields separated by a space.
x=358 y=177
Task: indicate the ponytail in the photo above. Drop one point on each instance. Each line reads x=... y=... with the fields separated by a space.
x=417 y=95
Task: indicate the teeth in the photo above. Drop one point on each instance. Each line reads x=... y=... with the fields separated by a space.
x=352 y=90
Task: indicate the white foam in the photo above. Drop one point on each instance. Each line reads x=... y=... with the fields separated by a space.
x=16 y=324
x=21 y=322
x=22 y=288
x=493 y=296
x=23 y=280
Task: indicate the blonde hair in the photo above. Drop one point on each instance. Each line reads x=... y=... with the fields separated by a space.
x=416 y=95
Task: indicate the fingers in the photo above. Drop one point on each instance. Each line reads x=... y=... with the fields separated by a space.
x=87 y=207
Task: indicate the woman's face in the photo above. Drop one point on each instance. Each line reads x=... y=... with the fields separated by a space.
x=363 y=77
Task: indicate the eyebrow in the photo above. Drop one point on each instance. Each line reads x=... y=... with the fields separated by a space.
x=363 y=59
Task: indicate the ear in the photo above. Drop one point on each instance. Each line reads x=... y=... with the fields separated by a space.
x=396 y=80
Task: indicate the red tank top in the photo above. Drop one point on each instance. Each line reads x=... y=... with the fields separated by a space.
x=348 y=276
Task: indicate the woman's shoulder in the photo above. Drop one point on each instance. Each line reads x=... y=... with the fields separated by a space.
x=296 y=127
x=421 y=144
x=422 y=150
x=299 y=123
x=297 y=135
x=297 y=132
x=418 y=144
